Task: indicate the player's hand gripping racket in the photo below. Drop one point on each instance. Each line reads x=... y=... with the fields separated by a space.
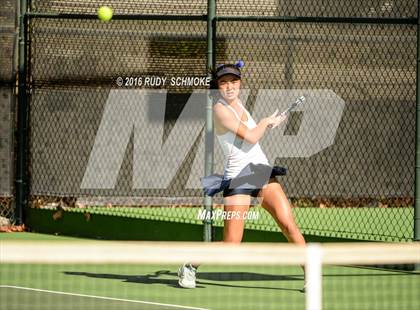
x=293 y=106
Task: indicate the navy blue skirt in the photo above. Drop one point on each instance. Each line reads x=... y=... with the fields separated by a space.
x=249 y=181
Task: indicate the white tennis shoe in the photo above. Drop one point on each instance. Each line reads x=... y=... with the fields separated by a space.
x=186 y=274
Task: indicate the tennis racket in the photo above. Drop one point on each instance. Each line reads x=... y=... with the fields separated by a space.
x=295 y=104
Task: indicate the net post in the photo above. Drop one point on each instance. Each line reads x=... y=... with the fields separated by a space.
x=209 y=139
x=313 y=274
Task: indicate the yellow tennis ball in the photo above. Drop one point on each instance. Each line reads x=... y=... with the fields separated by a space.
x=105 y=13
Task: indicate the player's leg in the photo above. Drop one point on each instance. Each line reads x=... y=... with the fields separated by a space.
x=235 y=207
x=274 y=200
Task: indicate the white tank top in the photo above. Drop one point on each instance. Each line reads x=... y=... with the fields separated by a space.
x=239 y=153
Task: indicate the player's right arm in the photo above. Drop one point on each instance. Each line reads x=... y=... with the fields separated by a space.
x=229 y=121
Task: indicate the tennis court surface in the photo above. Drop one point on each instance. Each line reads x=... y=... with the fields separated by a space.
x=71 y=274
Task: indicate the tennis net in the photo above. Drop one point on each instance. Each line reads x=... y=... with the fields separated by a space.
x=143 y=275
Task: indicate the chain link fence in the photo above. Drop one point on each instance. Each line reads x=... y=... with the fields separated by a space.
x=373 y=69
x=362 y=186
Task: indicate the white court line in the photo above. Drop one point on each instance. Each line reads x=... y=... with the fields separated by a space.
x=100 y=297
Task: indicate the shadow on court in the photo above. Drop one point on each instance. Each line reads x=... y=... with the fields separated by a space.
x=156 y=278
x=19 y=298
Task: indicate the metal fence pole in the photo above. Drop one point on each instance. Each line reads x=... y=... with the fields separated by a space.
x=22 y=121
x=209 y=138
x=417 y=177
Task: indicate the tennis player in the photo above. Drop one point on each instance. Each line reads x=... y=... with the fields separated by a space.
x=247 y=172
